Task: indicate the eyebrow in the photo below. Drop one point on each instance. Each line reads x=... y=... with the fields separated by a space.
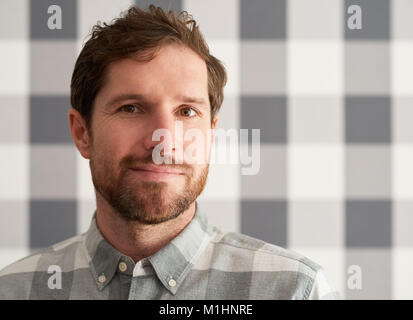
x=123 y=97
x=188 y=99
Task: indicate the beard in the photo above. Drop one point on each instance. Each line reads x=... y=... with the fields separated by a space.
x=147 y=202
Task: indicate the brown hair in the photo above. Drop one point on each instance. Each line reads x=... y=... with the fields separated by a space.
x=132 y=35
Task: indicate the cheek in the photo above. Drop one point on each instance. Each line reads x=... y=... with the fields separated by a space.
x=110 y=145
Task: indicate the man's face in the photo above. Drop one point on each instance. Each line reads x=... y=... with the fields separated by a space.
x=137 y=99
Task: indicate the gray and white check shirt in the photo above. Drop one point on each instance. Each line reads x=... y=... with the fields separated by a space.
x=202 y=262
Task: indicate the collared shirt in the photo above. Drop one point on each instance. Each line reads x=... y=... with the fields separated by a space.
x=202 y=262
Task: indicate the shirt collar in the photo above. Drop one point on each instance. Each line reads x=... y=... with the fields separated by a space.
x=171 y=263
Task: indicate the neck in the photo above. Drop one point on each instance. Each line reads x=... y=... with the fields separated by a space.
x=133 y=238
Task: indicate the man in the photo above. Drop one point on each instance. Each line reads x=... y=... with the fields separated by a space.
x=149 y=239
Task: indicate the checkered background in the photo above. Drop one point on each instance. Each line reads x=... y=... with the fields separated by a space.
x=334 y=105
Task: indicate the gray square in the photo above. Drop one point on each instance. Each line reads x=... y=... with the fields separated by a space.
x=219 y=281
x=263 y=19
x=175 y=5
x=271 y=180
x=367 y=68
x=375 y=269
x=49 y=119
x=368 y=119
x=269 y=114
x=265 y=220
x=368 y=172
x=39 y=17
x=375 y=19
x=368 y=223
x=53 y=171
x=263 y=68
x=51 y=222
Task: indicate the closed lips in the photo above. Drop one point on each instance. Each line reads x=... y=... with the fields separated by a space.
x=157 y=170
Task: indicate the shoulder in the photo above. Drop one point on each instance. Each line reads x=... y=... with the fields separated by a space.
x=272 y=271
x=264 y=256
x=16 y=279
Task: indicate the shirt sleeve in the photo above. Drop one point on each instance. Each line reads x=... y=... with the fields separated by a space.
x=322 y=289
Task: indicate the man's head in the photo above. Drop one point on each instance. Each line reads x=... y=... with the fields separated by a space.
x=141 y=73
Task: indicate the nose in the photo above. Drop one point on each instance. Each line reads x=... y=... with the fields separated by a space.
x=163 y=127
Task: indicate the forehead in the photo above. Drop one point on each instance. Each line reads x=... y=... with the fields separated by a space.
x=176 y=69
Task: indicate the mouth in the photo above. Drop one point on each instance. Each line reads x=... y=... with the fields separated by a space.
x=156 y=173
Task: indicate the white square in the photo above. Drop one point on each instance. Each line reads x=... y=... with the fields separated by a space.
x=14 y=66
x=315 y=67
x=92 y=11
x=225 y=20
x=79 y=46
x=85 y=211
x=402 y=119
x=401 y=19
x=227 y=51
x=315 y=171
x=14 y=18
x=14 y=229
x=402 y=275
x=224 y=214
x=223 y=177
x=315 y=119
x=402 y=223
x=402 y=159
x=316 y=224
x=333 y=262
x=9 y=256
x=14 y=173
x=229 y=113
x=85 y=188
x=320 y=19
x=14 y=119
x=402 y=67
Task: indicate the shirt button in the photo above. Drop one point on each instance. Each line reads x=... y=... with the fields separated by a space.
x=102 y=278
x=123 y=266
x=172 y=283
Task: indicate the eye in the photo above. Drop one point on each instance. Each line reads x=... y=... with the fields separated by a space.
x=188 y=112
x=129 y=108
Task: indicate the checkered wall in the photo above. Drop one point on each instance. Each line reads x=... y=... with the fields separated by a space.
x=334 y=105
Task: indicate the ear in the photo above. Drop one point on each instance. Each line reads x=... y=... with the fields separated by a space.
x=213 y=126
x=79 y=133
